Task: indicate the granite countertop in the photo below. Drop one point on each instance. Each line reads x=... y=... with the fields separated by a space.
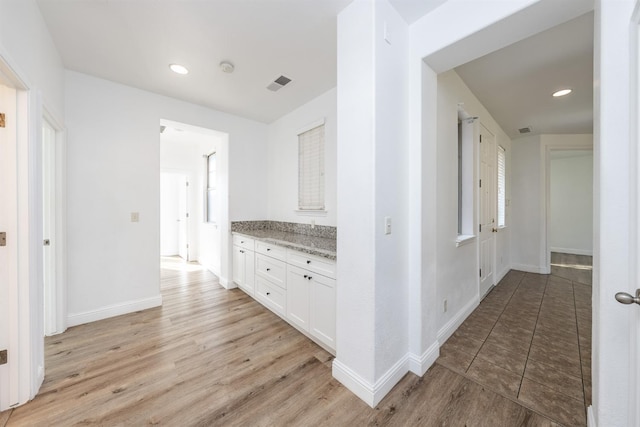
x=320 y=246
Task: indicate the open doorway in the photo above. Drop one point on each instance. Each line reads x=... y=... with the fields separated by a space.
x=193 y=194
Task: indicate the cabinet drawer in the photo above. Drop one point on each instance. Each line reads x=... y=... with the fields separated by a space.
x=317 y=264
x=271 y=296
x=243 y=241
x=272 y=269
x=277 y=252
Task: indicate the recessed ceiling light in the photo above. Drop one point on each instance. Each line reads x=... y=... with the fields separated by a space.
x=177 y=68
x=562 y=92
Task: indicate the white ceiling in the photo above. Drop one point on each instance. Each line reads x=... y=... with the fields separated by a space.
x=515 y=83
x=133 y=41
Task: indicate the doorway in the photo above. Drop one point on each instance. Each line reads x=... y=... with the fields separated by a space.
x=174 y=215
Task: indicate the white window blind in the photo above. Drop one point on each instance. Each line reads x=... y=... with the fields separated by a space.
x=311 y=169
x=502 y=187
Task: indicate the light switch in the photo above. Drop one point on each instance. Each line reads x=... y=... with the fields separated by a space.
x=135 y=216
x=387 y=225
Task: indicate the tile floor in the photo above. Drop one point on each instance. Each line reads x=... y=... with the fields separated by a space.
x=530 y=340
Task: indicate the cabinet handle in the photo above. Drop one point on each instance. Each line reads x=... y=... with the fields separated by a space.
x=268 y=249
x=309 y=277
x=241 y=241
x=268 y=293
x=241 y=252
x=308 y=261
x=305 y=276
x=268 y=269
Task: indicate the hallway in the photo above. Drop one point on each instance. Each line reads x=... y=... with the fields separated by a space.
x=530 y=340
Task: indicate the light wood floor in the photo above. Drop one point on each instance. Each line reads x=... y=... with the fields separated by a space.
x=215 y=357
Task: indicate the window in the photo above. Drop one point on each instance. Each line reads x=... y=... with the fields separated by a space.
x=466 y=129
x=212 y=185
x=311 y=169
x=502 y=191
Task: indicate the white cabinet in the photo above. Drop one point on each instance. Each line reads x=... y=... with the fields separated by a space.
x=299 y=287
x=311 y=304
x=244 y=264
x=298 y=292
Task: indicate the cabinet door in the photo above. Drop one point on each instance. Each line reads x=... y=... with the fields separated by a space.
x=238 y=265
x=249 y=271
x=322 y=322
x=298 y=297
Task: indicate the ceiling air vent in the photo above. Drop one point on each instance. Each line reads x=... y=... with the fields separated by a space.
x=525 y=130
x=278 y=83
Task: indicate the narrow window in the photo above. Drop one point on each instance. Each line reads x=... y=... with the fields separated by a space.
x=311 y=169
x=466 y=130
x=502 y=190
x=210 y=204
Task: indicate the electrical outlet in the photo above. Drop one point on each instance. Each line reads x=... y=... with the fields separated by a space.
x=313 y=223
x=135 y=216
x=444 y=306
x=387 y=225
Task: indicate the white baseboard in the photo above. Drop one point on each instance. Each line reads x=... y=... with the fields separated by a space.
x=501 y=275
x=450 y=327
x=75 y=319
x=227 y=284
x=371 y=394
x=572 y=251
x=591 y=418
x=420 y=364
x=530 y=268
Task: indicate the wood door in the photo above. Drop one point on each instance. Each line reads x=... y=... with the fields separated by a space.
x=487 y=187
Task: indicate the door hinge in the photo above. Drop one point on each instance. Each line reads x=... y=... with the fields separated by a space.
x=187 y=214
x=187 y=183
x=480 y=138
x=480 y=272
x=479 y=228
x=2 y=120
x=3 y=238
x=480 y=183
x=187 y=245
x=3 y=357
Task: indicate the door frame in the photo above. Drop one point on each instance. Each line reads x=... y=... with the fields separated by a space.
x=483 y=129
x=546 y=150
x=57 y=309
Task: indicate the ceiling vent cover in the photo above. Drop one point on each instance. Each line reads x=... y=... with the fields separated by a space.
x=278 y=83
x=525 y=130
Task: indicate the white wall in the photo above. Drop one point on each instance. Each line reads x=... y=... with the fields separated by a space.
x=527 y=204
x=26 y=44
x=529 y=196
x=372 y=320
x=571 y=196
x=114 y=169
x=30 y=60
x=457 y=272
x=283 y=161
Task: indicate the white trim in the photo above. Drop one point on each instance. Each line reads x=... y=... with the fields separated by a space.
x=530 y=268
x=225 y=283
x=310 y=126
x=464 y=239
x=420 y=364
x=571 y=251
x=454 y=323
x=371 y=394
x=311 y=212
x=75 y=319
x=503 y=273
x=591 y=418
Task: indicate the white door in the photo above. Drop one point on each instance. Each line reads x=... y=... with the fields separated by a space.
x=183 y=218
x=48 y=227
x=488 y=225
x=169 y=219
x=616 y=352
x=8 y=251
